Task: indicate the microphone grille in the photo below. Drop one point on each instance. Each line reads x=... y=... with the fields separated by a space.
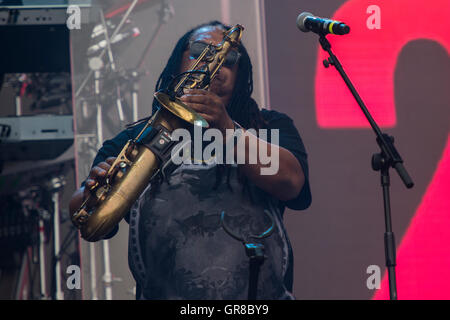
x=301 y=21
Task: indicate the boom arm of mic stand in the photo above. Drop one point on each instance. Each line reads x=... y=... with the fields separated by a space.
x=384 y=141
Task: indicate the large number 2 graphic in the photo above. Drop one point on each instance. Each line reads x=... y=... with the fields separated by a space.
x=379 y=30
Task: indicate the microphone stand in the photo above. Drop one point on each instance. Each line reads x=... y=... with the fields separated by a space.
x=382 y=161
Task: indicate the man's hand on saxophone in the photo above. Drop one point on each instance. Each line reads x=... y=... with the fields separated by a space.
x=97 y=174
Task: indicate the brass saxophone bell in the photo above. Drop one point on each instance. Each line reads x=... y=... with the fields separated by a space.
x=180 y=109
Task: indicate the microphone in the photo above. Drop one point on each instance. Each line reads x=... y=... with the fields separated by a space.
x=308 y=22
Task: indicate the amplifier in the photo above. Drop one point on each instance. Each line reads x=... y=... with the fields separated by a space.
x=41 y=14
x=35 y=38
x=35 y=137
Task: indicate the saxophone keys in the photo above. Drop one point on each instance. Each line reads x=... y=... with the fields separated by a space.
x=80 y=217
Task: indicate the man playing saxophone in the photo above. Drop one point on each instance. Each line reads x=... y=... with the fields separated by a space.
x=187 y=232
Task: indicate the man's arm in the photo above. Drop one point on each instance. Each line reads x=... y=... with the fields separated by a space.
x=288 y=180
x=286 y=183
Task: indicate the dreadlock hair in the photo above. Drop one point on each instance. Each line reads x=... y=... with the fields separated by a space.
x=242 y=107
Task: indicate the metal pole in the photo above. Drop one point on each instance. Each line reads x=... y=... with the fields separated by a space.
x=107 y=277
x=94 y=295
x=43 y=279
x=134 y=96
x=59 y=292
x=106 y=259
x=262 y=63
x=99 y=110
x=18 y=105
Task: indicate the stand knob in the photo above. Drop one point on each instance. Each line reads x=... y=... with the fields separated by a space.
x=327 y=62
x=377 y=161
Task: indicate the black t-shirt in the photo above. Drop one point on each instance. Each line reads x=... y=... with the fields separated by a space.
x=178 y=248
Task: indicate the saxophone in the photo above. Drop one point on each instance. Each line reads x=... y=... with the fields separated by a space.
x=148 y=155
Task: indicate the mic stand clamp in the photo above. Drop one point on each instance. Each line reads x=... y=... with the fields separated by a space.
x=388 y=157
x=255 y=253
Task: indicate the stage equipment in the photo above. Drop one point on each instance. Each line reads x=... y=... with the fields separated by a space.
x=120 y=7
x=149 y=154
x=55 y=185
x=41 y=14
x=41 y=30
x=35 y=137
x=388 y=157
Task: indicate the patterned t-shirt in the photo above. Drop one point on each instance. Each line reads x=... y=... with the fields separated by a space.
x=178 y=245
